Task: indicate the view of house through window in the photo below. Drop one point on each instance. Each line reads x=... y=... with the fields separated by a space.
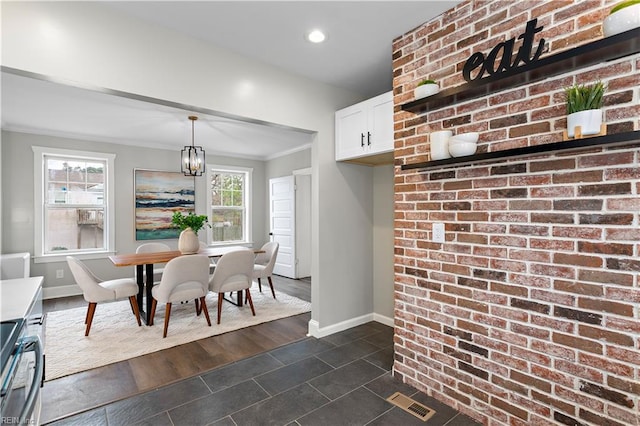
x=229 y=205
x=74 y=204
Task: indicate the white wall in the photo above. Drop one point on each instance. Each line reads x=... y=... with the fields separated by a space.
x=88 y=44
x=1 y=211
x=19 y=199
x=286 y=164
x=383 y=274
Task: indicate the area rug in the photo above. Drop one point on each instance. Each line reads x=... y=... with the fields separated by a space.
x=115 y=335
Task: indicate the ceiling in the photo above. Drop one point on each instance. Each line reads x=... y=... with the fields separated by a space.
x=47 y=108
x=356 y=56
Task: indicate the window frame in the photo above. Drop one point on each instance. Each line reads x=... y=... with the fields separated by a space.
x=248 y=195
x=39 y=206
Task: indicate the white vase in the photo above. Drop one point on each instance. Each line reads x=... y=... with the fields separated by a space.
x=188 y=242
x=440 y=144
x=426 y=90
x=623 y=20
x=589 y=122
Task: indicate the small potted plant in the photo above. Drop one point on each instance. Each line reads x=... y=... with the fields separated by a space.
x=623 y=17
x=190 y=224
x=426 y=88
x=584 y=109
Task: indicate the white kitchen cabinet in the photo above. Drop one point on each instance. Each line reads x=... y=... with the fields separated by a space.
x=365 y=130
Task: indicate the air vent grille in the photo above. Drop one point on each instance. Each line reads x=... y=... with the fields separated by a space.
x=420 y=411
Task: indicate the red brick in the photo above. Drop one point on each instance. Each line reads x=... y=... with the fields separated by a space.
x=605 y=335
x=578 y=260
x=576 y=39
x=623 y=324
x=591 y=236
x=605 y=364
x=598 y=160
x=606 y=306
x=625 y=416
x=579 y=398
x=578 y=287
x=602 y=73
x=577 y=343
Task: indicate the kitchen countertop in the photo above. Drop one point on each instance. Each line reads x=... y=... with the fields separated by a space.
x=17 y=296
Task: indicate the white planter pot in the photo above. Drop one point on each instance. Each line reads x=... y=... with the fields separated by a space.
x=188 y=242
x=623 y=20
x=589 y=121
x=440 y=144
x=426 y=90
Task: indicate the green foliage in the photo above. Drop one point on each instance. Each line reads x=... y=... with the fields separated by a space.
x=423 y=82
x=624 y=4
x=194 y=221
x=584 y=97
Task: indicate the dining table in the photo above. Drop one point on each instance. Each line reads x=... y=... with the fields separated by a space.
x=144 y=265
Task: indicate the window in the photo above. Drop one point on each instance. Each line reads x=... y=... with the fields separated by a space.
x=229 y=195
x=73 y=204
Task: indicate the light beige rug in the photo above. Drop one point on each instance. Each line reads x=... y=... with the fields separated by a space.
x=115 y=335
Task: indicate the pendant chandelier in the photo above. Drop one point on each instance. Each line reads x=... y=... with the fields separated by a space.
x=192 y=156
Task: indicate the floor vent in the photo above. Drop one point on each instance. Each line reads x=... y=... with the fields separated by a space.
x=422 y=412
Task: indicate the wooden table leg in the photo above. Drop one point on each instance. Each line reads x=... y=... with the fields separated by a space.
x=140 y=297
x=148 y=292
x=238 y=298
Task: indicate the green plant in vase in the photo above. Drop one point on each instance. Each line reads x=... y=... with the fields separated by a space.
x=190 y=224
x=584 y=97
x=423 y=82
x=425 y=88
x=623 y=17
x=194 y=221
x=584 y=108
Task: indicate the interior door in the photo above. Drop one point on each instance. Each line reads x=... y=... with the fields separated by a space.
x=303 y=222
x=282 y=213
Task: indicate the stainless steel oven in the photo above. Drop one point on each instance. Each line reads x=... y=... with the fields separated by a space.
x=22 y=369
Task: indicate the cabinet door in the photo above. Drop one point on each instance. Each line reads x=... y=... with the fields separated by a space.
x=351 y=123
x=380 y=123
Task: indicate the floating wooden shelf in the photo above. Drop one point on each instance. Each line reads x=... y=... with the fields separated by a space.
x=606 y=49
x=574 y=144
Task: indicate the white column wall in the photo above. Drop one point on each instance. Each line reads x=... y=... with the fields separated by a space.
x=383 y=244
x=91 y=45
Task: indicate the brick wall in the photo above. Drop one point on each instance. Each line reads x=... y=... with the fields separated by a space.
x=529 y=313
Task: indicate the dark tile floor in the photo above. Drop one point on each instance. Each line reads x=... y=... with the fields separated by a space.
x=342 y=379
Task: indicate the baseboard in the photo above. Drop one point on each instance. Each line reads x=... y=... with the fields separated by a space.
x=317 y=332
x=383 y=320
x=61 y=291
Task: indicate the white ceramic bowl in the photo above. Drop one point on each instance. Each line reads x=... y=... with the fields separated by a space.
x=466 y=137
x=460 y=149
x=426 y=90
x=623 y=20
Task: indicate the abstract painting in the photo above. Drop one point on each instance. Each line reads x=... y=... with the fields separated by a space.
x=158 y=195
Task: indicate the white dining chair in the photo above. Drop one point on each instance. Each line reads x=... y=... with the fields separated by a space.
x=264 y=263
x=152 y=248
x=184 y=278
x=97 y=291
x=233 y=273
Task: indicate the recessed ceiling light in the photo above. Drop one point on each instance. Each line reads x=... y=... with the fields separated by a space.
x=316 y=36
